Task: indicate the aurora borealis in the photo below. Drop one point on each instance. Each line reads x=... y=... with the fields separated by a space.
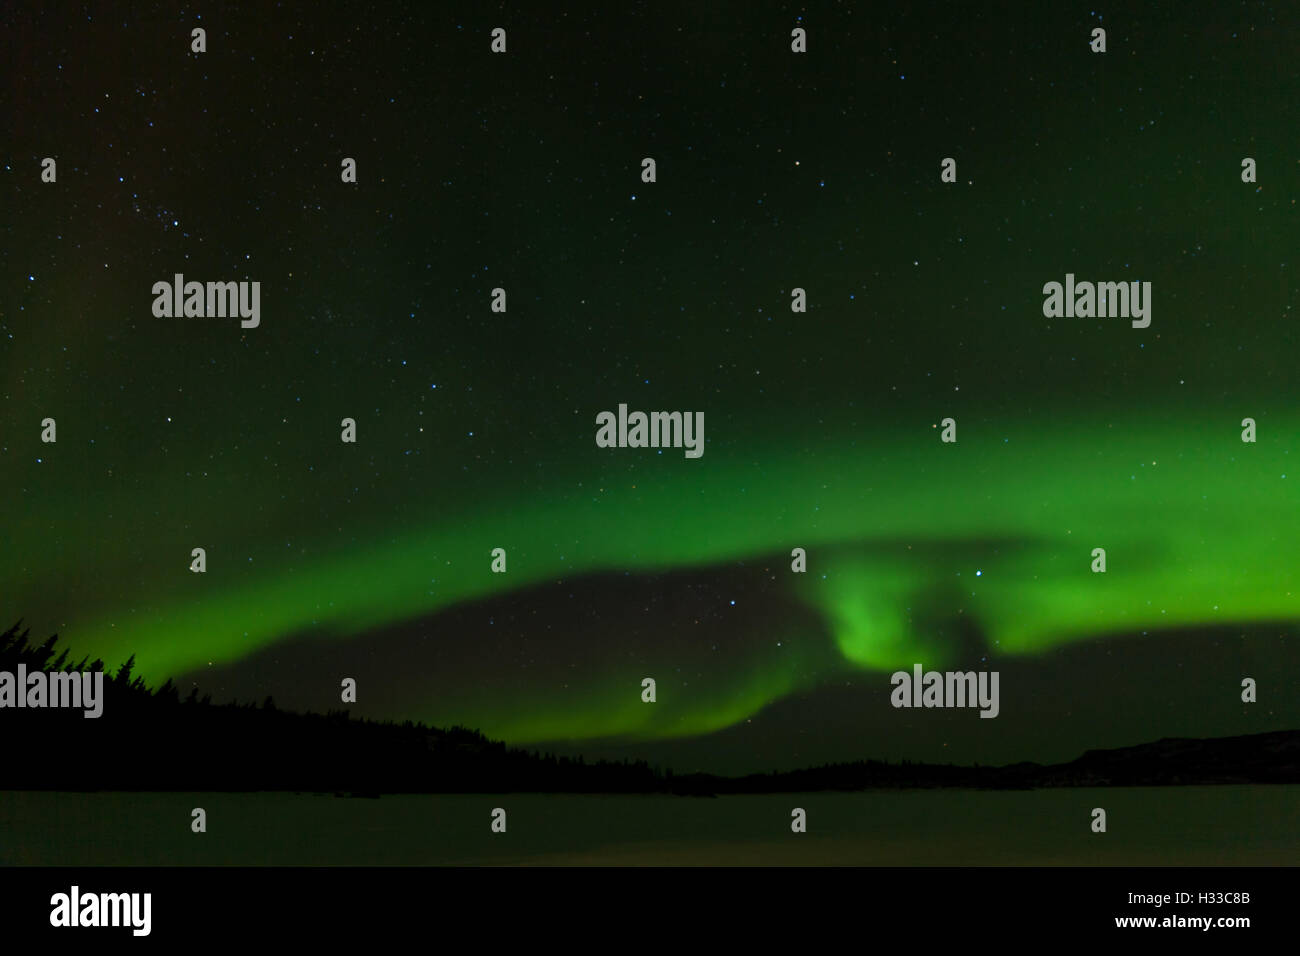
x=476 y=429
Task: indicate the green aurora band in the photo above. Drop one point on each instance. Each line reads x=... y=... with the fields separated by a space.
x=999 y=527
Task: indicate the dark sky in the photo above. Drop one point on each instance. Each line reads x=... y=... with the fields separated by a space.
x=476 y=429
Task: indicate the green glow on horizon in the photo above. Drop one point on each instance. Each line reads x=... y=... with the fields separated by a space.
x=1197 y=527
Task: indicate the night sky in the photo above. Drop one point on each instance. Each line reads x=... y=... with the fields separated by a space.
x=476 y=430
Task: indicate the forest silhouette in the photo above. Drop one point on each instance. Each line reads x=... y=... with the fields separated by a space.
x=155 y=740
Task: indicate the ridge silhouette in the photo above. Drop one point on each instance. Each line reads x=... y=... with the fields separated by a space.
x=151 y=739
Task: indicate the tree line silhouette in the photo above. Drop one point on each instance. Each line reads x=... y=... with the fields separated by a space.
x=152 y=739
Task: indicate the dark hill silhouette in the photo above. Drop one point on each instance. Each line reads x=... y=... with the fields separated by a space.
x=153 y=740
x=1253 y=758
